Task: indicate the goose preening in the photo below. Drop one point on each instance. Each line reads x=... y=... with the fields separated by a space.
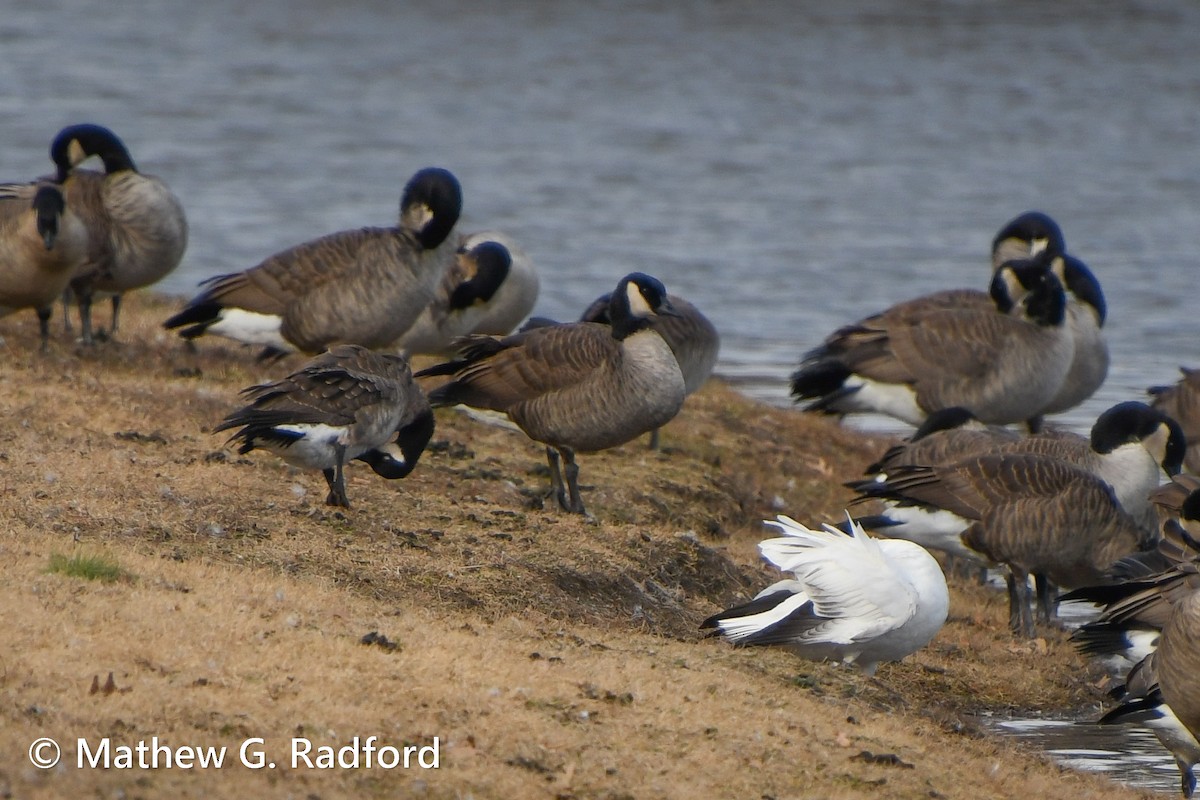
x=574 y=387
x=364 y=286
x=136 y=226
x=851 y=598
x=1130 y=448
x=1181 y=401
x=691 y=336
x=488 y=289
x=42 y=243
x=345 y=404
x=1003 y=363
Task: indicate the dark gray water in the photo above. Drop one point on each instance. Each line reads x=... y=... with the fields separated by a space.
x=787 y=167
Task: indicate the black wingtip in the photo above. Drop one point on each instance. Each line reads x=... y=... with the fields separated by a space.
x=199 y=316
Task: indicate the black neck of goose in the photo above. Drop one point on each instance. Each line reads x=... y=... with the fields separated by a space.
x=439 y=191
x=624 y=322
x=94 y=140
x=1190 y=510
x=414 y=436
x=1047 y=304
x=1080 y=282
x=48 y=206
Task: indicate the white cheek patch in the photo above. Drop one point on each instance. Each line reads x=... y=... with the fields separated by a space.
x=250 y=327
x=75 y=153
x=1038 y=245
x=417 y=217
x=392 y=451
x=638 y=306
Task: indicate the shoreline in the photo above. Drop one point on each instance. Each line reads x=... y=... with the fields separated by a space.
x=548 y=656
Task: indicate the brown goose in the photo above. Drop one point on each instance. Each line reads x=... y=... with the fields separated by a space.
x=576 y=387
x=690 y=335
x=1035 y=514
x=1003 y=367
x=489 y=288
x=136 y=226
x=347 y=403
x=364 y=286
x=1181 y=401
x=1178 y=662
x=42 y=243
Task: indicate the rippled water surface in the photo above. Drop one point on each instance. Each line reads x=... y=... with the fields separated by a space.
x=787 y=167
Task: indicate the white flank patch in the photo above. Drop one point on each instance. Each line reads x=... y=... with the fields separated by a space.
x=638 y=306
x=894 y=399
x=314 y=450
x=939 y=530
x=250 y=327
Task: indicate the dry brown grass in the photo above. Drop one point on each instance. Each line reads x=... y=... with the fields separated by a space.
x=551 y=657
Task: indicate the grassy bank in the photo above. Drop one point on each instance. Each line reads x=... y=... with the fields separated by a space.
x=551 y=657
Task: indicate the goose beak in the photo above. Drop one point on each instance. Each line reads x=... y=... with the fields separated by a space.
x=667 y=310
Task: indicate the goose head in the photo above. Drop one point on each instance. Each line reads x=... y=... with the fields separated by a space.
x=1132 y=422
x=486 y=266
x=637 y=299
x=1031 y=286
x=77 y=143
x=1027 y=235
x=430 y=206
x=1082 y=284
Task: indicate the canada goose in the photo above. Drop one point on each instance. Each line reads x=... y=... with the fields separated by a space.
x=489 y=288
x=1181 y=401
x=1141 y=702
x=1086 y=314
x=1178 y=662
x=577 y=387
x=1003 y=367
x=42 y=243
x=1035 y=514
x=852 y=598
x=364 y=286
x=347 y=403
x=693 y=340
x=1130 y=446
x=136 y=226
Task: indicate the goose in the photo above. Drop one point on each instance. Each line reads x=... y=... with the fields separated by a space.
x=1035 y=514
x=1141 y=702
x=347 y=403
x=1178 y=662
x=1087 y=311
x=42 y=243
x=693 y=340
x=575 y=387
x=1181 y=401
x=136 y=226
x=491 y=286
x=364 y=286
x=852 y=598
x=1003 y=367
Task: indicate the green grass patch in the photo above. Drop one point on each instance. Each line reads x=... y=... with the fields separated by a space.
x=88 y=567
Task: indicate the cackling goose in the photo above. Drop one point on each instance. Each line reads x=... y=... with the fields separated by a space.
x=347 y=403
x=364 y=286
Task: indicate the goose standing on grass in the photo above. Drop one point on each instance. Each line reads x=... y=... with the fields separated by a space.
x=136 y=226
x=852 y=598
x=345 y=404
x=578 y=387
x=489 y=288
x=693 y=340
x=1004 y=367
x=1178 y=662
x=42 y=243
x=364 y=286
x=1181 y=401
x=1037 y=515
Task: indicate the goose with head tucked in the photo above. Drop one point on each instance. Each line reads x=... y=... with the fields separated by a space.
x=364 y=286
x=42 y=243
x=137 y=231
x=575 y=387
x=1004 y=364
x=851 y=598
x=488 y=289
x=347 y=403
x=1181 y=401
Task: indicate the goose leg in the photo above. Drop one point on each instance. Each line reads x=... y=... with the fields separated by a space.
x=116 y=308
x=654 y=439
x=1020 y=611
x=337 y=481
x=1047 y=598
x=66 y=304
x=571 y=470
x=84 y=299
x=43 y=315
x=556 y=478
x=1188 y=778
